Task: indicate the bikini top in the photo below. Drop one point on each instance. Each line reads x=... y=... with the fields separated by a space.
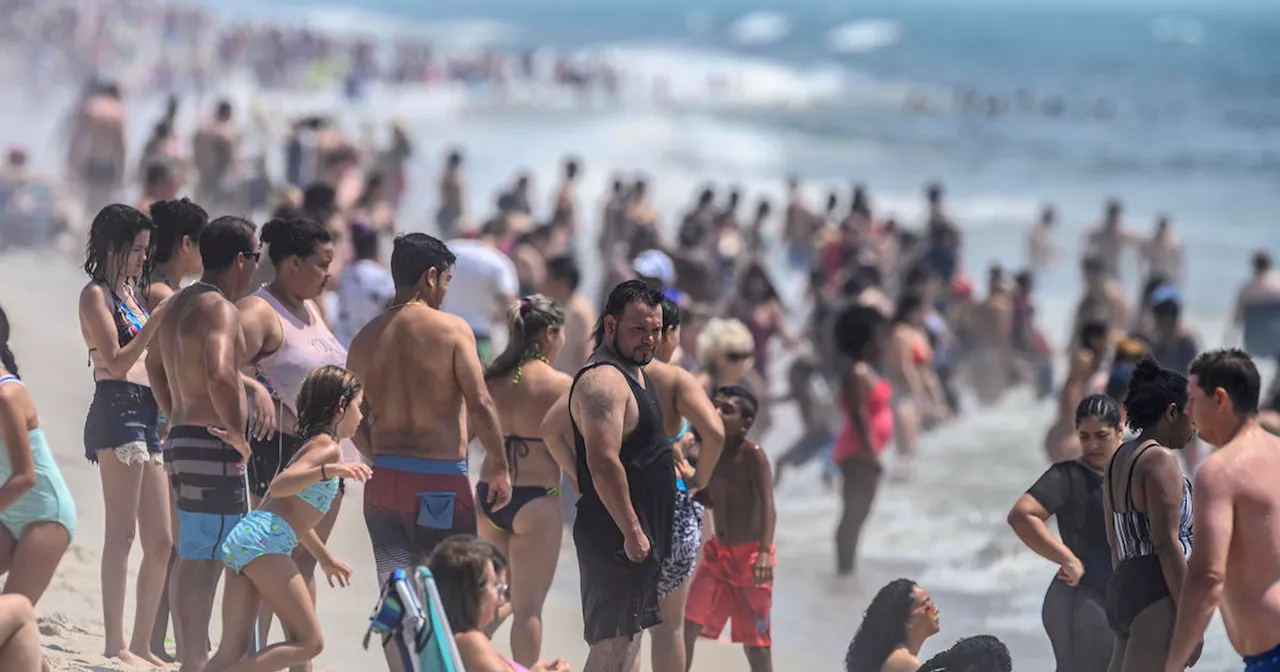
x=128 y=323
x=320 y=495
x=684 y=429
x=1133 y=528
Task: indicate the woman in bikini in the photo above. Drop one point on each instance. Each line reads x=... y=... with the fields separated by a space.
x=37 y=514
x=285 y=339
x=524 y=384
x=760 y=308
x=121 y=431
x=259 y=550
x=918 y=395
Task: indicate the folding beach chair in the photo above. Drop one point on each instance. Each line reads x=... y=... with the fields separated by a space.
x=410 y=615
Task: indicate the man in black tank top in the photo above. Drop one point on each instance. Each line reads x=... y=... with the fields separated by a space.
x=626 y=475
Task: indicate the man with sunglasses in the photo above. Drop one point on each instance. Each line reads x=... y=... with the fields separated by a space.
x=194 y=367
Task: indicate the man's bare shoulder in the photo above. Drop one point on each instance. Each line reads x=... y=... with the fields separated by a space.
x=598 y=391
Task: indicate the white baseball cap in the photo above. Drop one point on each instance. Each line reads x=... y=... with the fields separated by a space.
x=655 y=264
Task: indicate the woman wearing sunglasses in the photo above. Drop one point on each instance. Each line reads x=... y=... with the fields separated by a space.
x=726 y=354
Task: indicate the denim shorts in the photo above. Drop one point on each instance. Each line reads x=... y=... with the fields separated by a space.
x=121 y=413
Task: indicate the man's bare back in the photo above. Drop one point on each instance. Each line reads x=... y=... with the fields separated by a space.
x=410 y=361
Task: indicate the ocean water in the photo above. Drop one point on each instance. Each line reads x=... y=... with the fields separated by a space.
x=818 y=88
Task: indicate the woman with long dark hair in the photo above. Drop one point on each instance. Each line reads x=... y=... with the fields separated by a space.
x=894 y=628
x=1148 y=515
x=121 y=431
x=1074 y=612
x=259 y=551
x=37 y=514
x=524 y=385
x=285 y=339
x=759 y=306
x=868 y=425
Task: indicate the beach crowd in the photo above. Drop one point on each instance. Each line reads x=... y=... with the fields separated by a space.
x=244 y=375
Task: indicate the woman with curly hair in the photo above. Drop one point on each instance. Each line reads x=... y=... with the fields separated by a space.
x=896 y=624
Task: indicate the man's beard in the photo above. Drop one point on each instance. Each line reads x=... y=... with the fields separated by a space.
x=630 y=358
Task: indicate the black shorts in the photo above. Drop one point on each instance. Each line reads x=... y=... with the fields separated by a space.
x=120 y=414
x=619 y=597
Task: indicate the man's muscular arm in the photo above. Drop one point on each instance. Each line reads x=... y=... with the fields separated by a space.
x=469 y=375
x=599 y=407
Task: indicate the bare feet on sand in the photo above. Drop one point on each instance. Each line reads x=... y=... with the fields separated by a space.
x=130 y=658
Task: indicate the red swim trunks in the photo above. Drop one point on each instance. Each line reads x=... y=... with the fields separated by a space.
x=723 y=588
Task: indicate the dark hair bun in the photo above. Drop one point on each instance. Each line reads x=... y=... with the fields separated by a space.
x=1146 y=371
x=271 y=231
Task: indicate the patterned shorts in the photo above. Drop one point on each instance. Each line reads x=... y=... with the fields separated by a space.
x=686 y=539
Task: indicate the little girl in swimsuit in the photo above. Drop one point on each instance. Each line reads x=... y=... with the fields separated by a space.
x=259 y=548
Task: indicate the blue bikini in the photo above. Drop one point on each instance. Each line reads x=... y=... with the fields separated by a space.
x=262 y=532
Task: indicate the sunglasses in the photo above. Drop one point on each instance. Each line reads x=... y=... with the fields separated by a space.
x=256 y=256
x=739 y=356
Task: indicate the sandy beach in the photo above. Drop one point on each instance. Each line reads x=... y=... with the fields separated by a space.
x=39 y=293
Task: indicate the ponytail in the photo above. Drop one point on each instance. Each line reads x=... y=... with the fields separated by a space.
x=6 y=354
x=527 y=320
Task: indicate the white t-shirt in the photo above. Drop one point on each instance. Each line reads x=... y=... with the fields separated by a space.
x=482 y=278
x=363 y=292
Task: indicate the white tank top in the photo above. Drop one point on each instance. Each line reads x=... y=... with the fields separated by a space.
x=304 y=348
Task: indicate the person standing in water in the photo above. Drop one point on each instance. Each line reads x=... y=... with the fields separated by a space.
x=734 y=580
x=1074 y=614
x=215 y=149
x=453 y=196
x=259 y=550
x=1148 y=514
x=37 y=514
x=868 y=426
x=121 y=430
x=894 y=629
x=195 y=371
x=523 y=385
x=96 y=154
x=626 y=474
x=1235 y=488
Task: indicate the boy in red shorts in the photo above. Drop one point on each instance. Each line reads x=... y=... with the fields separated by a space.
x=734 y=580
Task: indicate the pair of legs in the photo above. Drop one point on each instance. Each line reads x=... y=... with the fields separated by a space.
x=19 y=637
x=135 y=500
x=274 y=580
x=1149 y=640
x=861 y=480
x=307 y=568
x=533 y=550
x=31 y=560
x=1076 y=622
x=906 y=425
x=759 y=658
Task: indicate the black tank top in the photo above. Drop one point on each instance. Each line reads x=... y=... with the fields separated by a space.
x=650 y=467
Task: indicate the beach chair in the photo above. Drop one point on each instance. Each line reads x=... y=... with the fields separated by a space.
x=409 y=613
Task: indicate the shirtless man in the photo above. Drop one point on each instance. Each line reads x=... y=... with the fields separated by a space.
x=734 y=580
x=159 y=184
x=563 y=277
x=993 y=359
x=1237 y=518
x=799 y=226
x=1257 y=304
x=96 y=155
x=1107 y=241
x=422 y=377
x=214 y=151
x=453 y=187
x=194 y=367
x=626 y=476
x=1103 y=299
x=1161 y=255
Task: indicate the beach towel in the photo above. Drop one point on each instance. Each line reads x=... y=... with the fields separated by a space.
x=409 y=614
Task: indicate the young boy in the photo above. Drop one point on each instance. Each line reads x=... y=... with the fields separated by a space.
x=734 y=580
